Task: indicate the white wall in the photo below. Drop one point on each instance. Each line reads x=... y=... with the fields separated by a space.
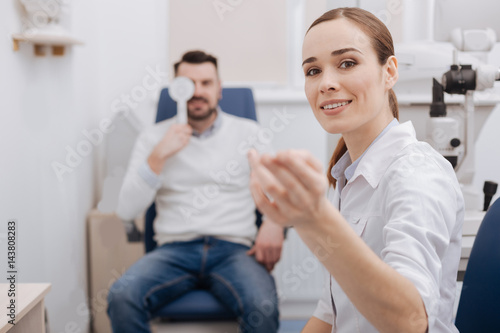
x=234 y=34
x=46 y=105
x=44 y=109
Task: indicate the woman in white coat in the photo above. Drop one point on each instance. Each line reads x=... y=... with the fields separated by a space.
x=389 y=229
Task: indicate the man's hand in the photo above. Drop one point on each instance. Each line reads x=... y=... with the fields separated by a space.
x=175 y=139
x=268 y=244
x=134 y=235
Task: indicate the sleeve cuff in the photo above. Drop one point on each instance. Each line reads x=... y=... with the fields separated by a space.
x=324 y=312
x=149 y=176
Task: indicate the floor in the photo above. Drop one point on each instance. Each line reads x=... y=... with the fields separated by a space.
x=291 y=326
x=286 y=326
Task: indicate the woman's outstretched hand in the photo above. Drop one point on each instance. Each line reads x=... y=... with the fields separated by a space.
x=289 y=188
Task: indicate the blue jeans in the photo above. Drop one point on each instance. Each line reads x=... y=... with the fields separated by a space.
x=173 y=269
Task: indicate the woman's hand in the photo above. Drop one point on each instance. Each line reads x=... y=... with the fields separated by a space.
x=288 y=188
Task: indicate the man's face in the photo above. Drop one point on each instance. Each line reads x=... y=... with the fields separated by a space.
x=207 y=89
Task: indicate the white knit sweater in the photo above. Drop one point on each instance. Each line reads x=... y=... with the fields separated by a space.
x=203 y=189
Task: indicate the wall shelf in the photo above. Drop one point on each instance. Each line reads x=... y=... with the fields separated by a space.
x=41 y=41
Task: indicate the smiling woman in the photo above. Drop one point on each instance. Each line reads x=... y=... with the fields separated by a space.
x=356 y=65
x=394 y=211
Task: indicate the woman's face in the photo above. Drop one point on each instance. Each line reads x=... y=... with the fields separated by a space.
x=345 y=85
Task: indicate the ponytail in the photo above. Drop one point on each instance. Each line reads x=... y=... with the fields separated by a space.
x=393 y=104
x=337 y=154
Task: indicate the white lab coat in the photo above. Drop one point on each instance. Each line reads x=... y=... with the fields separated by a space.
x=405 y=202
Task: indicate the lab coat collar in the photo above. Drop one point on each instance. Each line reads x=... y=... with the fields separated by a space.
x=339 y=167
x=378 y=158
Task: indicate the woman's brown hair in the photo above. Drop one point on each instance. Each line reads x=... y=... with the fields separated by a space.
x=381 y=41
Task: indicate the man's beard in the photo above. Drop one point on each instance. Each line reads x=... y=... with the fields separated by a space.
x=203 y=116
x=199 y=117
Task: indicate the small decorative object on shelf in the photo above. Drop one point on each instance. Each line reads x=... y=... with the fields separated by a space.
x=42 y=28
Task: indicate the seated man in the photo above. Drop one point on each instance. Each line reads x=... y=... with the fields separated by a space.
x=198 y=175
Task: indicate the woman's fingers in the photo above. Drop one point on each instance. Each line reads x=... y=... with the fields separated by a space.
x=305 y=167
x=284 y=191
x=259 y=178
x=268 y=182
x=293 y=193
x=253 y=158
x=288 y=177
x=261 y=200
x=288 y=186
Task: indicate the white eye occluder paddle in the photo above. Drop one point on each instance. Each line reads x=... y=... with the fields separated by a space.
x=181 y=90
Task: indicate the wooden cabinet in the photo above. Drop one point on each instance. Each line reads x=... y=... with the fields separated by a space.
x=109 y=256
x=29 y=307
